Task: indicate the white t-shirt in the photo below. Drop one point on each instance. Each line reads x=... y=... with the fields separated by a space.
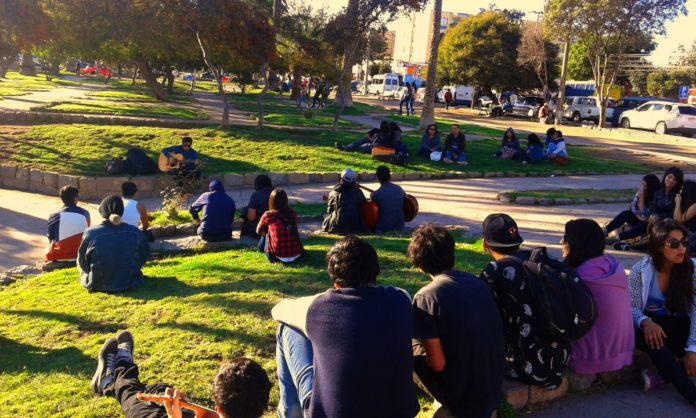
x=131 y=216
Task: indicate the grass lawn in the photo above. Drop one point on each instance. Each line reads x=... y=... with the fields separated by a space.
x=285 y=119
x=83 y=149
x=575 y=194
x=192 y=313
x=131 y=96
x=103 y=107
x=16 y=84
x=183 y=216
x=445 y=125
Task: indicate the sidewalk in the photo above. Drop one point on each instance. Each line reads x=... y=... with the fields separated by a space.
x=451 y=202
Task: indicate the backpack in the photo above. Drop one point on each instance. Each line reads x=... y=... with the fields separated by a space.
x=564 y=304
x=138 y=163
x=114 y=166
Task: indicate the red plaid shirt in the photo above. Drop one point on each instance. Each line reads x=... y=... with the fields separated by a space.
x=283 y=239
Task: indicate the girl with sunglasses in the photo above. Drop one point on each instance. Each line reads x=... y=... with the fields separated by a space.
x=609 y=344
x=430 y=142
x=664 y=308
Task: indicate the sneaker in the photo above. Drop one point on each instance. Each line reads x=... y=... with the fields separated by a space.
x=104 y=375
x=651 y=380
x=463 y=162
x=126 y=346
x=524 y=162
x=447 y=160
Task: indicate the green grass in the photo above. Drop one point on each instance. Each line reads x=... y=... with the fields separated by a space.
x=284 y=119
x=16 y=84
x=83 y=149
x=161 y=218
x=117 y=95
x=192 y=313
x=445 y=125
x=575 y=194
x=102 y=107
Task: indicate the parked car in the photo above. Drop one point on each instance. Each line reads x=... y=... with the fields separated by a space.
x=527 y=106
x=579 y=108
x=483 y=101
x=662 y=116
x=627 y=103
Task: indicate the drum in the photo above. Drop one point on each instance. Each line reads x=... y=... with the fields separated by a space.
x=368 y=213
x=410 y=208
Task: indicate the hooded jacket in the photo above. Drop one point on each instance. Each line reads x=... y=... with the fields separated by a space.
x=609 y=344
x=218 y=211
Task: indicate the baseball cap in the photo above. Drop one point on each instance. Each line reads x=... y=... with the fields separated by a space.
x=348 y=175
x=500 y=230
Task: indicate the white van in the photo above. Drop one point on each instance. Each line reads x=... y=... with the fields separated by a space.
x=579 y=108
x=461 y=94
x=386 y=85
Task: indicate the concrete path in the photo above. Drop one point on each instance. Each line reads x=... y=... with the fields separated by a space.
x=38 y=98
x=451 y=202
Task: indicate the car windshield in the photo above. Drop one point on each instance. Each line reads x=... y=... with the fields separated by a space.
x=687 y=110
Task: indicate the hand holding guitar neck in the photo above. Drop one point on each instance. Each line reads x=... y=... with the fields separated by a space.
x=168 y=400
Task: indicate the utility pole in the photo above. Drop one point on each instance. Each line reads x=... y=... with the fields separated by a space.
x=367 y=60
x=413 y=30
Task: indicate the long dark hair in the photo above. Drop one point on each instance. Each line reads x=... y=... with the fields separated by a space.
x=585 y=240
x=533 y=139
x=384 y=128
x=261 y=182
x=678 y=176
x=688 y=194
x=680 y=291
x=652 y=184
x=432 y=125
x=514 y=137
x=278 y=201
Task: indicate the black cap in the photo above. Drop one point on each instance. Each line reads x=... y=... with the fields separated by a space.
x=500 y=230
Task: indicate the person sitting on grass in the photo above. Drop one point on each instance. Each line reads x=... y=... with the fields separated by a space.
x=112 y=254
x=258 y=205
x=280 y=240
x=638 y=213
x=390 y=202
x=549 y=137
x=556 y=151
x=397 y=140
x=65 y=227
x=134 y=212
x=241 y=388
x=533 y=356
x=430 y=142
x=189 y=166
x=663 y=297
x=459 y=356
x=455 y=147
x=343 y=206
x=534 y=152
x=509 y=146
x=375 y=137
x=218 y=213
x=346 y=353
x=608 y=345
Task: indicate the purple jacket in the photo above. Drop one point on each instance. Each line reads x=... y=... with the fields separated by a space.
x=609 y=344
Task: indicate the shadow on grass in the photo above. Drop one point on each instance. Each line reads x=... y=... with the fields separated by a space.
x=17 y=357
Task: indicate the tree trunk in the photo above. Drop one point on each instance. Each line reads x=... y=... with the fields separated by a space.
x=170 y=82
x=27 y=67
x=4 y=66
x=296 y=83
x=561 y=86
x=265 y=73
x=193 y=80
x=345 y=98
x=135 y=75
x=428 y=114
x=150 y=79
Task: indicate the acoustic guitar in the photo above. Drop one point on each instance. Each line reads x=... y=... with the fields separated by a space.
x=200 y=411
x=173 y=162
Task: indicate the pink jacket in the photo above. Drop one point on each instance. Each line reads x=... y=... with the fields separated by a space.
x=609 y=344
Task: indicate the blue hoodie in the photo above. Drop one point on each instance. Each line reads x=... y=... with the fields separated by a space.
x=218 y=210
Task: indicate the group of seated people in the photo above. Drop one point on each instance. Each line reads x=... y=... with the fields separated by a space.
x=361 y=348
x=553 y=149
x=385 y=139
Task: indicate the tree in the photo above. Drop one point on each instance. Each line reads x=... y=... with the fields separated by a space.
x=428 y=115
x=639 y=82
x=664 y=83
x=481 y=51
x=539 y=55
x=609 y=28
x=579 y=67
x=8 y=52
x=25 y=25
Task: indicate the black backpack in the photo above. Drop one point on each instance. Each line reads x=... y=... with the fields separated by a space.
x=564 y=304
x=138 y=163
x=114 y=166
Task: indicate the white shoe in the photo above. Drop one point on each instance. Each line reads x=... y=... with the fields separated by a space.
x=447 y=160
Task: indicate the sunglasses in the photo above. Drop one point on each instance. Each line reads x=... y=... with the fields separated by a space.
x=674 y=243
x=431 y=129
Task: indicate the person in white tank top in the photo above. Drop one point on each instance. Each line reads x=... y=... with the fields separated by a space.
x=134 y=212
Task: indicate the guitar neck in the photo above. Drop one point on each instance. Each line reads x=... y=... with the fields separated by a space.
x=200 y=411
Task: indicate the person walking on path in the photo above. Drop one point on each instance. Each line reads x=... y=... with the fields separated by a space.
x=448 y=99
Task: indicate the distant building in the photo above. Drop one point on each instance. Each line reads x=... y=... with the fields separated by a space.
x=447 y=20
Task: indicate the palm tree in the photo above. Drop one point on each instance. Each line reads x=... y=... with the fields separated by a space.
x=428 y=115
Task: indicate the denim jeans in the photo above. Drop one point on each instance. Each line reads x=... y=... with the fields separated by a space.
x=410 y=104
x=263 y=248
x=361 y=145
x=625 y=217
x=403 y=101
x=294 y=357
x=460 y=157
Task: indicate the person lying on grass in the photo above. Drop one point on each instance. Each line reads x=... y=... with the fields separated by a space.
x=240 y=389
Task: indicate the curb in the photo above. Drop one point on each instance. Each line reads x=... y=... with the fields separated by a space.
x=507 y=197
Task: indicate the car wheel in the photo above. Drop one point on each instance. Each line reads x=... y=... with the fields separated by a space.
x=576 y=117
x=661 y=128
x=625 y=123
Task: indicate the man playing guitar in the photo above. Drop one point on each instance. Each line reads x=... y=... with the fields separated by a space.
x=181 y=160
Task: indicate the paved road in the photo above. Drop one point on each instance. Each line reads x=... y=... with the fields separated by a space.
x=458 y=202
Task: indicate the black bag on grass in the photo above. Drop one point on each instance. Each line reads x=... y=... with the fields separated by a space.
x=138 y=163
x=114 y=166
